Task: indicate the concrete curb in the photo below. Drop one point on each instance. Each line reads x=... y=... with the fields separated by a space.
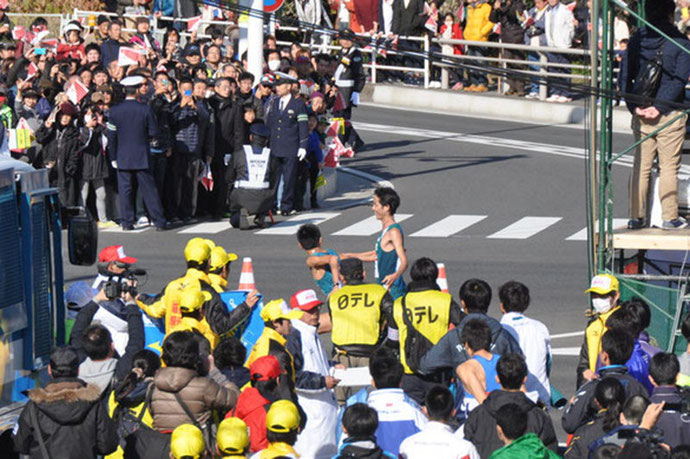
x=487 y=105
x=366 y=176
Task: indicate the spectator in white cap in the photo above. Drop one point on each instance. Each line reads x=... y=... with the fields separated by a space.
x=71 y=44
x=313 y=382
x=604 y=292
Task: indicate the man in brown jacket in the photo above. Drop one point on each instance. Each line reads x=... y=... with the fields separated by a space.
x=180 y=383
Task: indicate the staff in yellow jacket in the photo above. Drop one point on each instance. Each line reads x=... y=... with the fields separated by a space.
x=219 y=267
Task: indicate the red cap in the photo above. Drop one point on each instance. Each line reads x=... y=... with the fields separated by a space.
x=115 y=253
x=305 y=300
x=267 y=367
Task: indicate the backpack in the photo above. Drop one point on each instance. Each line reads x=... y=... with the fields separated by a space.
x=140 y=440
x=416 y=344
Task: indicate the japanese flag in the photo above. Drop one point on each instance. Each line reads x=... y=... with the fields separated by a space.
x=50 y=43
x=206 y=178
x=128 y=56
x=193 y=23
x=339 y=104
x=432 y=23
x=19 y=32
x=32 y=71
x=4 y=4
x=76 y=91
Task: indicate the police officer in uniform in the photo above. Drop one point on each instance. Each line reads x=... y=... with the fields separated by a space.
x=250 y=173
x=286 y=117
x=430 y=311
x=358 y=312
x=130 y=126
x=350 y=79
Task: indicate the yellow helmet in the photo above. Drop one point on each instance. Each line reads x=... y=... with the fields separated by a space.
x=197 y=249
x=219 y=257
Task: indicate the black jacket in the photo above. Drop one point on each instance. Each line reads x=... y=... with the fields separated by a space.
x=61 y=145
x=585 y=436
x=583 y=407
x=361 y=448
x=408 y=21
x=449 y=352
x=480 y=427
x=351 y=73
x=94 y=164
x=229 y=126
x=71 y=418
x=507 y=16
x=674 y=424
x=161 y=109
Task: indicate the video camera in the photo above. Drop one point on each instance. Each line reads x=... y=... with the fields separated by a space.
x=127 y=282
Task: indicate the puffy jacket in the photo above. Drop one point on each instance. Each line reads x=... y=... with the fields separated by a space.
x=71 y=418
x=480 y=427
x=642 y=47
x=583 y=408
x=674 y=424
x=252 y=408
x=450 y=352
x=508 y=17
x=527 y=446
x=478 y=26
x=201 y=395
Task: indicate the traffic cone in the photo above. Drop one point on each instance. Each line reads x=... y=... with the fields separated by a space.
x=247 y=276
x=442 y=280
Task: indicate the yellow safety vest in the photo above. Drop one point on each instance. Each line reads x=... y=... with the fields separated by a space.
x=356 y=314
x=595 y=330
x=218 y=282
x=190 y=323
x=430 y=312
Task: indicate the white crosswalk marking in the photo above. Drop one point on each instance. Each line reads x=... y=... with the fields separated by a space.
x=582 y=234
x=292 y=225
x=448 y=226
x=525 y=228
x=368 y=226
x=118 y=229
x=207 y=228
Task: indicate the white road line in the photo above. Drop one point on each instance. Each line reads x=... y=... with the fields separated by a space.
x=582 y=234
x=368 y=226
x=525 y=228
x=565 y=351
x=207 y=228
x=568 y=335
x=292 y=225
x=449 y=225
x=134 y=231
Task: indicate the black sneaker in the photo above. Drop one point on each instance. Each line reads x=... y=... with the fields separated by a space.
x=127 y=227
x=636 y=223
x=676 y=223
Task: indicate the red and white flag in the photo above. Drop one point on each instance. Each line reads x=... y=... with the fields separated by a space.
x=50 y=43
x=431 y=24
x=129 y=56
x=339 y=104
x=19 y=32
x=76 y=91
x=333 y=128
x=206 y=177
x=4 y=4
x=32 y=71
x=337 y=150
x=38 y=37
x=193 y=23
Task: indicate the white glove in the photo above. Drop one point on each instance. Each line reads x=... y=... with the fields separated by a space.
x=114 y=164
x=301 y=154
x=354 y=98
x=226 y=159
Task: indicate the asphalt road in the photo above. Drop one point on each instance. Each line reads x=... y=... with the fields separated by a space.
x=512 y=196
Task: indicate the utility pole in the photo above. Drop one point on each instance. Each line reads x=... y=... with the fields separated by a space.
x=252 y=36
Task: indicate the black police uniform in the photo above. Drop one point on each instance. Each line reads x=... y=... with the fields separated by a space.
x=130 y=126
x=289 y=133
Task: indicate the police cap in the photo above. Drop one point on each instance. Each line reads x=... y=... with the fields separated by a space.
x=132 y=81
x=260 y=129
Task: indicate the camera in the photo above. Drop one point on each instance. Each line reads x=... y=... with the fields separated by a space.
x=117 y=285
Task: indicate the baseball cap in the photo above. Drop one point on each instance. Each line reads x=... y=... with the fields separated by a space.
x=278 y=309
x=267 y=80
x=306 y=300
x=187 y=440
x=265 y=368
x=197 y=249
x=603 y=284
x=219 y=257
x=64 y=358
x=282 y=417
x=115 y=253
x=232 y=436
x=192 y=298
x=78 y=294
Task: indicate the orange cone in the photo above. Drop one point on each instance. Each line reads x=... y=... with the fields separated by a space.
x=442 y=280
x=247 y=276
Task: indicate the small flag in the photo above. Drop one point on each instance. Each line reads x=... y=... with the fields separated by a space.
x=339 y=104
x=206 y=177
x=431 y=24
x=39 y=36
x=460 y=14
x=50 y=43
x=320 y=181
x=22 y=136
x=76 y=91
x=4 y=4
x=193 y=23
x=571 y=6
x=333 y=128
x=19 y=32
x=128 y=56
x=32 y=71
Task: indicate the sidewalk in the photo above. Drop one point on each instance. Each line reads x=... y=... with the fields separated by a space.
x=346 y=187
x=488 y=105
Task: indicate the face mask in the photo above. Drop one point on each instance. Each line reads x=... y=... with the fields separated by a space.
x=87 y=119
x=273 y=65
x=601 y=305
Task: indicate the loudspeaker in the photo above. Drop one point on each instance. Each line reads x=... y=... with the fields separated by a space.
x=82 y=237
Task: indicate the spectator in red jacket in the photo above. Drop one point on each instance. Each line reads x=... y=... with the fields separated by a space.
x=71 y=45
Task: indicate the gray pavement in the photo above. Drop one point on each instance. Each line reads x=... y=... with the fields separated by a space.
x=494 y=200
